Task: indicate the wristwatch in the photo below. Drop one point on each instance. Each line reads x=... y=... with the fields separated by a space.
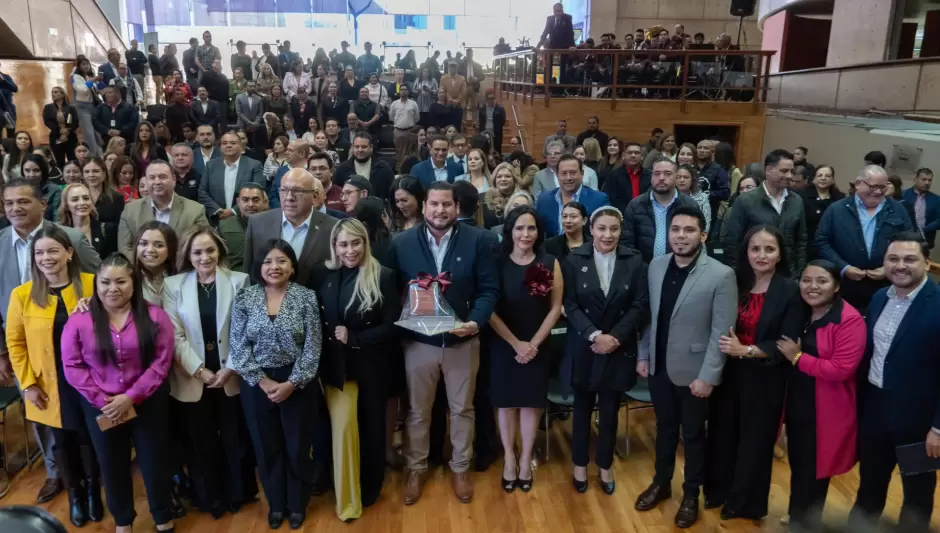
x=750 y=351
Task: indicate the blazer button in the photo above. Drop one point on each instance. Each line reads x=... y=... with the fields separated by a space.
x=587 y=311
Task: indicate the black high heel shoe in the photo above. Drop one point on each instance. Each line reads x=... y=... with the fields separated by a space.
x=525 y=485
x=580 y=486
x=608 y=486
x=509 y=485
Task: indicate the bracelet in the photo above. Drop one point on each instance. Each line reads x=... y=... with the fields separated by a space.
x=796 y=358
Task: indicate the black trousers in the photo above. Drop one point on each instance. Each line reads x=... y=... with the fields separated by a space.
x=485 y=435
x=148 y=433
x=744 y=418
x=877 y=459
x=373 y=399
x=177 y=439
x=75 y=457
x=219 y=455
x=63 y=152
x=281 y=435
x=676 y=407
x=608 y=404
x=807 y=494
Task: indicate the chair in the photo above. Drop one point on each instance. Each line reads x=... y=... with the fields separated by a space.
x=10 y=396
x=639 y=393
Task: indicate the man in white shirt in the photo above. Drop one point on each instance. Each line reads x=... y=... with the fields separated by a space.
x=404 y=113
x=225 y=176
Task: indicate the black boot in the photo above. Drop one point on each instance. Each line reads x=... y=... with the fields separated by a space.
x=92 y=484
x=78 y=506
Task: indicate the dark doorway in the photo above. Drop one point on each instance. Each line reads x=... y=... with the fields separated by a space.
x=693 y=133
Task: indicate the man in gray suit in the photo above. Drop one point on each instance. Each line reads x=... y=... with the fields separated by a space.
x=163 y=204
x=561 y=135
x=25 y=205
x=693 y=301
x=306 y=229
x=225 y=176
x=248 y=108
x=547 y=178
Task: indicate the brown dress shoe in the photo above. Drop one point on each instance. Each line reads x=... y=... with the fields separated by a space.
x=463 y=488
x=50 y=489
x=413 y=487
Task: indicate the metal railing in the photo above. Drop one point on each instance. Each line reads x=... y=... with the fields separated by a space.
x=680 y=75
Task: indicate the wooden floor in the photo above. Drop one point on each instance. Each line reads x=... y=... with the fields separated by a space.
x=552 y=506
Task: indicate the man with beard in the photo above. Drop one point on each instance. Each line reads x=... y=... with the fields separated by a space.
x=645 y=220
x=205 y=136
x=593 y=130
x=712 y=178
x=630 y=180
x=465 y=254
x=362 y=163
x=251 y=199
x=899 y=393
x=693 y=298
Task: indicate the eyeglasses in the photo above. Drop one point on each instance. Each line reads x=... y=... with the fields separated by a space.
x=347 y=194
x=881 y=188
x=295 y=192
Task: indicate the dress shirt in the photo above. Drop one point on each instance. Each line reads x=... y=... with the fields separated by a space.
x=97 y=380
x=886 y=327
x=163 y=215
x=439 y=250
x=576 y=197
x=295 y=236
x=231 y=177
x=867 y=222
x=205 y=106
x=363 y=169
x=463 y=164
x=21 y=246
x=488 y=127
x=206 y=158
x=440 y=174
x=776 y=204
x=605 y=268
x=920 y=211
x=660 y=215
x=404 y=114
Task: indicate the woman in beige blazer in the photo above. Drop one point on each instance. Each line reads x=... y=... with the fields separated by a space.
x=199 y=302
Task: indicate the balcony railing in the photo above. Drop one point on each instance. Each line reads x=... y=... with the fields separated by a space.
x=681 y=75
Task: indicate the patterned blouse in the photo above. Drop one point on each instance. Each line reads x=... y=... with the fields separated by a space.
x=293 y=338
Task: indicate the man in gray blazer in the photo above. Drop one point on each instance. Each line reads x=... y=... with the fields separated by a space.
x=561 y=135
x=306 y=229
x=547 y=178
x=248 y=108
x=25 y=207
x=225 y=176
x=163 y=204
x=693 y=302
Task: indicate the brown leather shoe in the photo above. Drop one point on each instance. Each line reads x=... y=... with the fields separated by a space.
x=463 y=488
x=50 y=489
x=4 y=482
x=413 y=487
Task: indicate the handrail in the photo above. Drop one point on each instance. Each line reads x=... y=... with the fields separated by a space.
x=519 y=126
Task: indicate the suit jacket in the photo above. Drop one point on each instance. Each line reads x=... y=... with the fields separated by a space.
x=547 y=206
x=705 y=310
x=265 y=226
x=622 y=313
x=232 y=230
x=32 y=346
x=319 y=88
x=211 y=117
x=932 y=214
x=107 y=73
x=544 y=181
x=184 y=214
x=49 y=119
x=783 y=314
x=424 y=171
x=198 y=164
x=455 y=87
x=181 y=303
x=499 y=121
x=212 y=184
x=302 y=120
x=125 y=118
x=248 y=116
x=364 y=357
x=558 y=36
x=381 y=175
x=568 y=140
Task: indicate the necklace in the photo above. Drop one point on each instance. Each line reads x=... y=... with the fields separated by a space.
x=208 y=287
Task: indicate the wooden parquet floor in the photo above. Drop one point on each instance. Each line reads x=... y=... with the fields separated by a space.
x=552 y=506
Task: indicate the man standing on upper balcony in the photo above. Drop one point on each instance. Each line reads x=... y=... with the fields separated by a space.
x=558 y=34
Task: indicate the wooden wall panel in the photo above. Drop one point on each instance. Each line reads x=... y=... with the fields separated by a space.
x=35 y=80
x=633 y=120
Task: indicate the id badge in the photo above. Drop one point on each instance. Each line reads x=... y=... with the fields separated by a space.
x=68 y=119
x=113 y=124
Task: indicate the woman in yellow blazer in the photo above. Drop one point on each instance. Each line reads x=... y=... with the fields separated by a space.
x=37 y=314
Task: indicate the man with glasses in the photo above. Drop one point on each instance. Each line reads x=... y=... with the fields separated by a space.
x=320 y=165
x=629 y=180
x=297 y=153
x=459 y=146
x=306 y=229
x=854 y=233
x=356 y=188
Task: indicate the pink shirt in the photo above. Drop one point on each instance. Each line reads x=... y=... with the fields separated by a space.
x=97 y=380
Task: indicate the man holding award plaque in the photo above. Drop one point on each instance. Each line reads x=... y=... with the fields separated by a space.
x=449 y=270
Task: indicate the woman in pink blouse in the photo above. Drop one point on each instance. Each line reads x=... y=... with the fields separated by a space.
x=122 y=375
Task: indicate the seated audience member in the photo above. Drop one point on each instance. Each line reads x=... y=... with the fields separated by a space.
x=571 y=188
x=590 y=176
x=187 y=178
x=252 y=199
x=355 y=189
x=367 y=111
x=363 y=162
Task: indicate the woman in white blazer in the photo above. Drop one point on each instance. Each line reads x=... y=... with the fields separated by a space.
x=199 y=302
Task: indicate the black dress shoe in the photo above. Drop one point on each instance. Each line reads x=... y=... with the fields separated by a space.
x=51 y=488
x=580 y=486
x=651 y=497
x=95 y=505
x=713 y=503
x=687 y=515
x=275 y=519
x=78 y=507
x=296 y=520
x=607 y=486
x=731 y=514
x=509 y=485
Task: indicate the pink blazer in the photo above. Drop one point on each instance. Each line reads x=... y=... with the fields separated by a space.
x=841 y=347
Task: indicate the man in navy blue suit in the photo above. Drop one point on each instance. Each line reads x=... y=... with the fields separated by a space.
x=925 y=205
x=463 y=256
x=550 y=203
x=437 y=167
x=899 y=386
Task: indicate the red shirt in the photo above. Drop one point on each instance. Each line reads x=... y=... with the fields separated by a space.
x=334 y=198
x=748 y=316
x=634 y=175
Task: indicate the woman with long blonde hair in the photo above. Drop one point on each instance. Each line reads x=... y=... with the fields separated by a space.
x=76 y=210
x=505 y=182
x=478 y=172
x=360 y=305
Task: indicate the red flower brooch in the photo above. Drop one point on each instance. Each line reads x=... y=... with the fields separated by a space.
x=539 y=279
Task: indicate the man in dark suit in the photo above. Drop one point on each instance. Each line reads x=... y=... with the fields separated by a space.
x=437 y=167
x=558 y=35
x=306 y=229
x=925 y=204
x=628 y=180
x=440 y=245
x=189 y=63
x=492 y=118
x=205 y=112
x=116 y=117
x=225 y=176
x=108 y=71
x=206 y=149
x=364 y=163
x=302 y=109
x=570 y=188
x=899 y=386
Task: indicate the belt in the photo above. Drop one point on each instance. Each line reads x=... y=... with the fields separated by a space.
x=404 y=129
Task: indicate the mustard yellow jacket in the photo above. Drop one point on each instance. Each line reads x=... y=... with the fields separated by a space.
x=32 y=352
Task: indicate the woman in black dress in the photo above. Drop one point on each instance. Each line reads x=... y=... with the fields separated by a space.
x=62 y=120
x=816 y=199
x=530 y=279
x=574 y=221
x=108 y=202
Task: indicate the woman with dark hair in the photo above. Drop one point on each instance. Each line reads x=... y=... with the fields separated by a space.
x=724 y=157
x=665 y=148
x=895 y=191
x=406 y=152
x=22 y=147
x=613 y=158
x=440 y=112
x=277 y=102
x=155 y=258
x=687 y=183
x=118 y=356
x=146 y=148
x=55 y=173
x=72 y=173
x=275 y=348
x=425 y=93
x=408 y=196
x=124 y=177
x=198 y=301
x=108 y=202
x=36 y=170
x=277 y=158
x=77 y=211
x=62 y=120
x=574 y=218
x=82 y=153
x=606 y=303
x=371 y=212
x=745 y=411
x=519 y=369
x=821 y=422
x=37 y=315
x=85 y=86
x=817 y=198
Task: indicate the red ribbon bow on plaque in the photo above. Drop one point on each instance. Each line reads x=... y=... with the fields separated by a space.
x=425 y=280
